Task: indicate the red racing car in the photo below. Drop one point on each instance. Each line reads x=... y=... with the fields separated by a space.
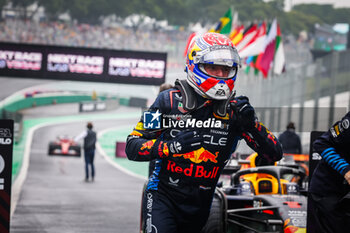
x=64 y=145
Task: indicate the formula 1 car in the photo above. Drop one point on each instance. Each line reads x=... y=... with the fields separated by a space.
x=64 y=145
x=260 y=199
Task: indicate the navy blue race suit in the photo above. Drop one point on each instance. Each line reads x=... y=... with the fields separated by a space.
x=328 y=185
x=179 y=193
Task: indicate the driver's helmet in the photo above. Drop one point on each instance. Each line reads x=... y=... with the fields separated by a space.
x=208 y=51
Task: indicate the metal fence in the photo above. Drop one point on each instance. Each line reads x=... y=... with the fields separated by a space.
x=313 y=96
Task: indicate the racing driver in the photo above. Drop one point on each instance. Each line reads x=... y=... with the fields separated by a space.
x=191 y=130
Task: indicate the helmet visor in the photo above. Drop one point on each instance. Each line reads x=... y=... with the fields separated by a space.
x=218 y=71
x=219 y=55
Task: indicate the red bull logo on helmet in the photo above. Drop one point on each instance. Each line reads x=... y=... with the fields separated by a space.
x=200 y=155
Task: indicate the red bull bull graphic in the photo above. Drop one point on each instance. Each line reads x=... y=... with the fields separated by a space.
x=146 y=147
x=289 y=227
x=196 y=171
x=200 y=155
x=163 y=150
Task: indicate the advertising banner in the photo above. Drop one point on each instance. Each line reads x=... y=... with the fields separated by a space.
x=82 y=64
x=6 y=148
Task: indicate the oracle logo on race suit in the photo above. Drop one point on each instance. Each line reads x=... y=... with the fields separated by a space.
x=214 y=138
x=196 y=171
x=20 y=60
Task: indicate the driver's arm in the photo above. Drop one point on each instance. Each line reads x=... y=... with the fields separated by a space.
x=331 y=146
x=141 y=144
x=261 y=140
x=256 y=135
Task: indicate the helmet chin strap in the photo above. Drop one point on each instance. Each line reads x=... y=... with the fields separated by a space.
x=220 y=106
x=188 y=95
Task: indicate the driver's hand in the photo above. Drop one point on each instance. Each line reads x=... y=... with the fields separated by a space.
x=243 y=111
x=184 y=142
x=347 y=177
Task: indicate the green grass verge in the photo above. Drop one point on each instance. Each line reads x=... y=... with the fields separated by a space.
x=108 y=143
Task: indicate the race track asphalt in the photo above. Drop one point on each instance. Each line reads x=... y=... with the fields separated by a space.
x=55 y=197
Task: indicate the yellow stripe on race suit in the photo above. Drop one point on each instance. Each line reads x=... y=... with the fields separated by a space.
x=139 y=126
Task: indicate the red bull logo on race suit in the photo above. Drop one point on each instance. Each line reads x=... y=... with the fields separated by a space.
x=197 y=171
x=200 y=155
x=146 y=147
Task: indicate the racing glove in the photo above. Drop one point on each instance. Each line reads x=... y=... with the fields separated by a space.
x=242 y=112
x=184 y=142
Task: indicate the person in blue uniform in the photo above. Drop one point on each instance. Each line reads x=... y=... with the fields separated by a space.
x=330 y=182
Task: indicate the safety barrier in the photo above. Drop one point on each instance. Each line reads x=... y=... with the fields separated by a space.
x=9 y=110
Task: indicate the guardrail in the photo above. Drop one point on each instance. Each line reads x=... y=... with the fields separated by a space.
x=9 y=109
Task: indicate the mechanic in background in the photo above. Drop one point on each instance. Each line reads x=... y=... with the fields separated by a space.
x=330 y=181
x=290 y=140
x=89 y=137
x=189 y=160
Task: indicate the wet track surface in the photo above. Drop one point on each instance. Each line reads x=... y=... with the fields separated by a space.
x=55 y=197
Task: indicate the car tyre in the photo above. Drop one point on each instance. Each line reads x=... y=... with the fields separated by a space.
x=215 y=222
x=77 y=149
x=52 y=146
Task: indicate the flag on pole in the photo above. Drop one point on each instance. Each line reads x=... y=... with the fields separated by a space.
x=279 y=61
x=235 y=18
x=257 y=58
x=237 y=34
x=249 y=61
x=264 y=63
x=248 y=35
x=225 y=23
x=256 y=45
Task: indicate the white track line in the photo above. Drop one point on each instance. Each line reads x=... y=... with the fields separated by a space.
x=109 y=160
x=18 y=183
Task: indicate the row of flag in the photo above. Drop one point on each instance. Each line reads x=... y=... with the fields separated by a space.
x=259 y=45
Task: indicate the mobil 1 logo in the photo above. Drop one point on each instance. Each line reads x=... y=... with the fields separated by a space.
x=6 y=148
